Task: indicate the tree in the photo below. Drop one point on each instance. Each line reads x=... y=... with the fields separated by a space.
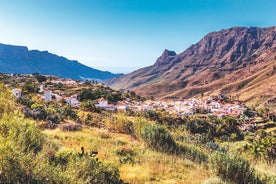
x=88 y=105
x=29 y=88
x=40 y=78
x=85 y=94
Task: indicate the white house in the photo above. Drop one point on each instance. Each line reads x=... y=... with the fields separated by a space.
x=72 y=100
x=47 y=95
x=58 y=97
x=110 y=107
x=122 y=106
x=102 y=103
x=17 y=92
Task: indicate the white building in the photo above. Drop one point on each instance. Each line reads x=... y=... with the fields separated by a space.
x=17 y=92
x=102 y=103
x=122 y=106
x=57 y=97
x=47 y=95
x=72 y=100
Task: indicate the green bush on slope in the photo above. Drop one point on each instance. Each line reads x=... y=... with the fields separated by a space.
x=233 y=168
x=26 y=156
x=158 y=138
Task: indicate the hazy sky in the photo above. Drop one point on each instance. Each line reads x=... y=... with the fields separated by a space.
x=123 y=35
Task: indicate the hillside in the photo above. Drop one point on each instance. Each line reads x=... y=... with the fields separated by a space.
x=19 y=59
x=54 y=141
x=238 y=61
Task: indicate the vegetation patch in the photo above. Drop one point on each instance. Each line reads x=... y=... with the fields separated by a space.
x=70 y=127
x=158 y=138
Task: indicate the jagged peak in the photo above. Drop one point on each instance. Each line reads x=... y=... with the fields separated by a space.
x=167 y=53
x=166 y=57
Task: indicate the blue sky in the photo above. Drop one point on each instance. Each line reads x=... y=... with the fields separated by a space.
x=123 y=35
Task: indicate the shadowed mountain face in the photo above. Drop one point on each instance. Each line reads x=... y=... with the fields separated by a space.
x=216 y=61
x=18 y=59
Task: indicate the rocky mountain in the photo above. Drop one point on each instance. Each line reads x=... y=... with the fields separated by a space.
x=19 y=59
x=239 y=61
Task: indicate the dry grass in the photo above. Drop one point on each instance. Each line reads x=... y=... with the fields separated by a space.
x=148 y=166
x=264 y=168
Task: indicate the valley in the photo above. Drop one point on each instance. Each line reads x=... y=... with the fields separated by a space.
x=142 y=140
x=138 y=92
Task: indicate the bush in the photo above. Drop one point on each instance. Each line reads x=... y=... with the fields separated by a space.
x=40 y=78
x=62 y=157
x=192 y=153
x=158 y=138
x=68 y=112
x=126 y=155
x=138 y=125
x=214 y=146
x=70 y=127
x=47 y=125
x=89 y=105
x=233 y=168
x=86 y=94
x=29 y=88
x=120 y=124
x=26 y=135
x=92 y=171
x=19 y=142
x=54 y=118
x=26 y=101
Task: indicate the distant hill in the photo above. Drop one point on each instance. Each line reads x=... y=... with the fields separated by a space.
x=18 y=59
x=238 y=61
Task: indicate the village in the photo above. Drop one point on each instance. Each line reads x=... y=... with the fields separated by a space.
x=213 y=106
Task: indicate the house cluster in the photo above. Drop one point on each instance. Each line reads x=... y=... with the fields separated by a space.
x=71 y=100
x=66 y=82
x=120 y=105
x=181 y=108
x=49 y=96
x=210 y=106
x=207 y=105
x=248 y=125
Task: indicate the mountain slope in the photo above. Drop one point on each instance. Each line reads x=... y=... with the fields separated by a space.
x=18 y=59
x=231 y=56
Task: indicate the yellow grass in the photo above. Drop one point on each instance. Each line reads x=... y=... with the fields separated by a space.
x=148 y=167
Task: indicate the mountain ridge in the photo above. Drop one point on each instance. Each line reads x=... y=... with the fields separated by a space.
x=44 y=62
x=207 y=66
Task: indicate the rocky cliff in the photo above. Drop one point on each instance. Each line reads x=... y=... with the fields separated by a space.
x=229 y=61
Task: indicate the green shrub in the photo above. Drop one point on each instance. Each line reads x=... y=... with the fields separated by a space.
x=70 y=127
x=88 y=105
x=158 y=138
x=26 y=101
x=138 y=125
x=233 y=168
x=89 y=170
x=27 y=136
x=192 y=153
x=9 y=163
x=119 y=123
x=27 y=157
x=62 y=157
x=126 y=155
